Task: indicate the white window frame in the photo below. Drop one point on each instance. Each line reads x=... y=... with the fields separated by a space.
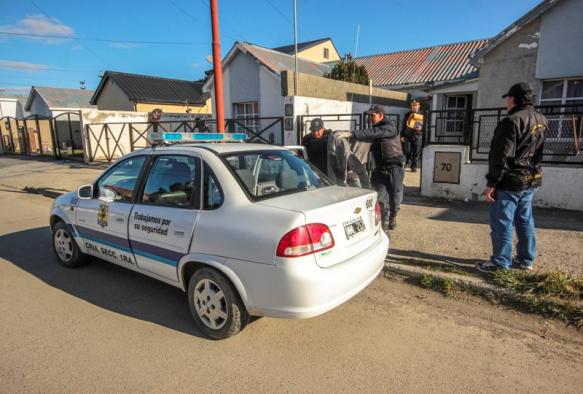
x=249 y=118
x=455 y=120
x=564 y=101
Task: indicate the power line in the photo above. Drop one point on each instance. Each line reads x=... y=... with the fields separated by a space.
x=98 y=57
x=106 y=40
x=284 y=16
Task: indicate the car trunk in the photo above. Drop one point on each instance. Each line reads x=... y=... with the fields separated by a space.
x=348 y=212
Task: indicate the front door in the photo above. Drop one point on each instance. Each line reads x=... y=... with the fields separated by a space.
x=162 y=222
x=102 y=222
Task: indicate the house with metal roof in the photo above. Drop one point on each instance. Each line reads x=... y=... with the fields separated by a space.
x=442 y=73
x=251 y=80
x=50 y=102
x=321 y=50
x=119 y=91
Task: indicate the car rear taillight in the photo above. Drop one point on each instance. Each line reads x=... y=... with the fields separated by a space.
x=304 y=240
x=377 y=214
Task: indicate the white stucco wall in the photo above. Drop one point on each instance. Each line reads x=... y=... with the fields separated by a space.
x=270 y=103
x=315 y=106
x=562 y=186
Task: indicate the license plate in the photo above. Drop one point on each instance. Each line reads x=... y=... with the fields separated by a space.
x=353 y=227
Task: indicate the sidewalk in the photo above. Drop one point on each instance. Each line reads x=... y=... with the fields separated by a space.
x=433 y=230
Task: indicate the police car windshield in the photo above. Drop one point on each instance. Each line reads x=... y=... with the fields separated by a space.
x=266 y=174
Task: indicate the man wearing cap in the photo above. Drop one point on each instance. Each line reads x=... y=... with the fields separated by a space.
x=514 y=174
x=387 y=177
x=316 y=144
x=412 y=132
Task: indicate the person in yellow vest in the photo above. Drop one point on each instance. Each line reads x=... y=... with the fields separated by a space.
x=412 y=133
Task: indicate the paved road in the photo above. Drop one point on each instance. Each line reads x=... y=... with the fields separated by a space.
x=104 y=329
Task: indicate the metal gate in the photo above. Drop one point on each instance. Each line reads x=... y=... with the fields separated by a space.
x=67 y=136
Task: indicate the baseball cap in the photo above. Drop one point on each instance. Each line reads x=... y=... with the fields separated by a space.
x=519 y=90
x=376 y=109
x=316 y=124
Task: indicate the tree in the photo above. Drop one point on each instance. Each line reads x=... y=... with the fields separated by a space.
x=347 y=70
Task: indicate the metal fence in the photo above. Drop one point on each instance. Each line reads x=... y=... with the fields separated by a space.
x=57 y=137
x=475 y=127
x=109 y=141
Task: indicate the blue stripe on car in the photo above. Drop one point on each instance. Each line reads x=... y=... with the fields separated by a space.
x=161 y=255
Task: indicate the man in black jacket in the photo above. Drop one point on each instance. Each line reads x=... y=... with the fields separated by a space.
x=316 y=144
x=387 y=177
x=514 y=174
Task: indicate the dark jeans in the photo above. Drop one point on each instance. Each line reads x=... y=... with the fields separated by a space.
x=508 y=210
x=388 y=182
x=415 y=145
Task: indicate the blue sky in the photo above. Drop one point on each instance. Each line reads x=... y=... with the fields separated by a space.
x=385 y=26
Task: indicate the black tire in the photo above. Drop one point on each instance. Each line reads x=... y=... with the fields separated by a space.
x=65 y=247
x=215 y=305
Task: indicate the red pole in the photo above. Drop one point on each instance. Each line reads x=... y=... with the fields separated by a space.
x=217 y=67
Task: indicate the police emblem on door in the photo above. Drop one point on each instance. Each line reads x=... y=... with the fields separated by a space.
x=103 y=215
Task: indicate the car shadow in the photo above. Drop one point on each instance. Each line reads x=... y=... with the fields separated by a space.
x=100 y=283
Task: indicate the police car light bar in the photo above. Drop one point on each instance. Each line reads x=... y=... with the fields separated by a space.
x=196 y=137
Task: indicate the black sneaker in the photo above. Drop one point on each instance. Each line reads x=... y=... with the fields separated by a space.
x=517 y=265
x=488 y=267
x=413 y=169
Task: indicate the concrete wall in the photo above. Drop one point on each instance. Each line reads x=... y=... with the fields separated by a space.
x=243 y=79
x=560 y=52
x=320 y=87
x=569 y=180
x=205 y=109
x=316 y=53
x=113 y=98
x=10 y=107
x=514 y=60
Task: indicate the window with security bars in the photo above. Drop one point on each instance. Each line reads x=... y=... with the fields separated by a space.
x=456 y=115
x=247 y=116
x=565 y=117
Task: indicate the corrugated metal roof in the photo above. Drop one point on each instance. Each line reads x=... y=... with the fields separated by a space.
x=145 y=88
x=290 y=49
x=61 y=97
x=419 y=66
x=278 y=62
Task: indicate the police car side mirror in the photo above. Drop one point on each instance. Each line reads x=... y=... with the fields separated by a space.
x=85 y=192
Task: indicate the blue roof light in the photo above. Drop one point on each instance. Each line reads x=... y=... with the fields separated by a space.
x=197 y=137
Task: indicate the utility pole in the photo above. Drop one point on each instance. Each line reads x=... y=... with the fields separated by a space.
x=217 y=67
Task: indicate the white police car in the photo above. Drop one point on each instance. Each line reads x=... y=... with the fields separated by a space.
x=244 y=229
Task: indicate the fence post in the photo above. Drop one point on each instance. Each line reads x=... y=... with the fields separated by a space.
x=131 y=137
x=89 y=151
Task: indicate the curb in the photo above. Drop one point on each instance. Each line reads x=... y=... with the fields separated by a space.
x=416 y=272
x=50 y=193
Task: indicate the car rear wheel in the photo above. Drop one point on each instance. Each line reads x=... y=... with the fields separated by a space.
x=215 y=305
x=66 y=248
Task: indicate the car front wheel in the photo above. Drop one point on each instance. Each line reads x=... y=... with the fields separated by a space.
x=215 y=305
x=66 y=248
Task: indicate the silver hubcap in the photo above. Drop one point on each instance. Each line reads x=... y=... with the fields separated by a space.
x=63 y=245
x=210 y=304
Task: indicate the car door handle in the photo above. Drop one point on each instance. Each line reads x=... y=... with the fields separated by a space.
x=120 y=220
x=179 y=233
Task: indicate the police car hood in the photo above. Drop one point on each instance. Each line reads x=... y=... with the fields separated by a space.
x=349 y=212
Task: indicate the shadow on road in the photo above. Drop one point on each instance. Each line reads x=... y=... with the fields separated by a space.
x=475 y=212
x=100 y=283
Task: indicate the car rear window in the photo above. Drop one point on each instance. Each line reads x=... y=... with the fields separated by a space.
x=266 y=174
